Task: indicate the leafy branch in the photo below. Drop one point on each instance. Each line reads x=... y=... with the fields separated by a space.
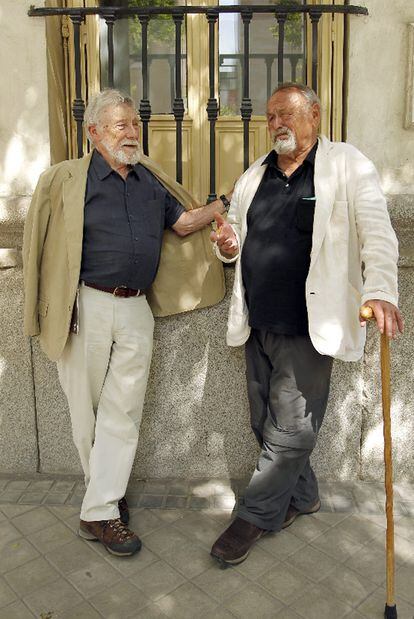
x=293 y=24
x=161 y=28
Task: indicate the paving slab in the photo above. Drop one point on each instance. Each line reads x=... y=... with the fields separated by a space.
x=253 y=601
x=320 y=602
x=31 y=576
x=327 y=565
x=157 y=580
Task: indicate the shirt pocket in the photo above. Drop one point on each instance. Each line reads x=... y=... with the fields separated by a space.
x=153 y=213
x=305 y=212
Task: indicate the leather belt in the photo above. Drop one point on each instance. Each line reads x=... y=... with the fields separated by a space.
x=117 y=291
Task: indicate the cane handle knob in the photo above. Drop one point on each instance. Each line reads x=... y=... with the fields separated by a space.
x=367 y=312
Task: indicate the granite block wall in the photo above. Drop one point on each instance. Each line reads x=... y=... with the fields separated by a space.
x=195 y=421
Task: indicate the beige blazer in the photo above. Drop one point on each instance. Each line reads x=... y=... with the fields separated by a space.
x=189 y=275
x=354 y=250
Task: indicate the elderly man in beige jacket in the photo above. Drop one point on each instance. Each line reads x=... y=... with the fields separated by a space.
x=311 y=226
x=106 y=241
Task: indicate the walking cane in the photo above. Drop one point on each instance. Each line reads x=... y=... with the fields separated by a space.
x=390 y=606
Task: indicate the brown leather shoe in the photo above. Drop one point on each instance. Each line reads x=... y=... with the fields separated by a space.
x=115 y=536
x=233 y=546
x=123 y=510
x=292 y=513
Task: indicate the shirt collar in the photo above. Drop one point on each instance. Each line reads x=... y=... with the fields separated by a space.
x=103 y=169
x=136 y=168
x=271 y=158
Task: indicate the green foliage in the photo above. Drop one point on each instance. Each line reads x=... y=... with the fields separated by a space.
x=228 y=110
x=293 y=24
x=160 y=28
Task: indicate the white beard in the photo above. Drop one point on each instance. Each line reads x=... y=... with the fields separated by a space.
x=124 y=158
x=285 y=146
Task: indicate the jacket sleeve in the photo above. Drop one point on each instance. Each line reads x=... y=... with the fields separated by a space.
x=33 y=239
x=378 y=241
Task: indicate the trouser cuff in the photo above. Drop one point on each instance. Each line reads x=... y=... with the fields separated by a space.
x=262 y=523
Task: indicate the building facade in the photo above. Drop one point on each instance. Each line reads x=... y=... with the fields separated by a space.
x=195 y=420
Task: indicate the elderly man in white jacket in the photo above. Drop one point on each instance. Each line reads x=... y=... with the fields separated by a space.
x=310 y=233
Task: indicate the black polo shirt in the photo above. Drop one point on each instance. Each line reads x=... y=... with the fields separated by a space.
x=123 y=225
x=276 y=252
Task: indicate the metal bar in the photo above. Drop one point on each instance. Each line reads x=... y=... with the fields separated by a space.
x=171 y=65
x=293 y=67
x=261 y=8
x=305 y=29
x=144 y=104
x=345 y=79
x=315 y=16
x=281 y=19
x=269 y=64
x=212 y=104
x=332 y=89
x=252 y=55
x=110 y=20
x=178 y=105
x=246 y=106
x=78 y=106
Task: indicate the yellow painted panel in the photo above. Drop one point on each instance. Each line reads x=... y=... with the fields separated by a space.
x=162 y=142
x=229 y=148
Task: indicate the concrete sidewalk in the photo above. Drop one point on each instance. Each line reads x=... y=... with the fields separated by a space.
x=325 y=566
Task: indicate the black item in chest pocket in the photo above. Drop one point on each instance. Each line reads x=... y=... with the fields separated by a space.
x=305 y=211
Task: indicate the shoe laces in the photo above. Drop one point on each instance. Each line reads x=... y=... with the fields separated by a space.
x=118 y=528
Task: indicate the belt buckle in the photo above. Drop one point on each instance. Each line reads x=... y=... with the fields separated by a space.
x=118 y=288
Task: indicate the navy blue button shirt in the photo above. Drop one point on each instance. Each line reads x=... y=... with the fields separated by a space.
x=123 y=225
x=276 y=253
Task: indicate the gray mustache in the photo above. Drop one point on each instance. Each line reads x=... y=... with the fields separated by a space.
x=281 y=132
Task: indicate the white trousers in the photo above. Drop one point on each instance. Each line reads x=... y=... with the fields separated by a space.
x=103 y=372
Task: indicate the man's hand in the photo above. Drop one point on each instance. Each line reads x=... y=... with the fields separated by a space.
x=196 y=218
x=387 y=316
x=225 y=237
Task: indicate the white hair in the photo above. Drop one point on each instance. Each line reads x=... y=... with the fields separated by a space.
x=99 y=102
x=310 y=95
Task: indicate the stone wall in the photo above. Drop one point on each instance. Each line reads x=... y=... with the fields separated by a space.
x=378 y=68
x=24 y=153
x=195 y=420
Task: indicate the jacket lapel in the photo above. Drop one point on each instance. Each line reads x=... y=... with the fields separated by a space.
x=325 y=189
x=74 y=187
x=252 y=182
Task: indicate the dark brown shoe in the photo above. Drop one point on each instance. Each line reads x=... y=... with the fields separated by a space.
x=293 y=513
x=123 y=510
x=115 y=536
x=233 y=546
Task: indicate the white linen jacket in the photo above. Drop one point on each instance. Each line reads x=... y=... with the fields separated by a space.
x=354 y=250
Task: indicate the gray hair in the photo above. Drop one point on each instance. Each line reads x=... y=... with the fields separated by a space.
x=310 y=95
x=99 y=102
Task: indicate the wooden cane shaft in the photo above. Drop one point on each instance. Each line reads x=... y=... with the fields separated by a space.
x=386 y=412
